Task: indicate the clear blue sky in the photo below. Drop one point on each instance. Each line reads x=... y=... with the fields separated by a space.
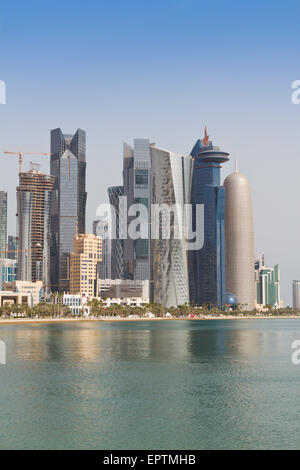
x=161 y=70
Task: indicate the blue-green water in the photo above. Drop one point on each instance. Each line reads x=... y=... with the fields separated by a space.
x=150 y=385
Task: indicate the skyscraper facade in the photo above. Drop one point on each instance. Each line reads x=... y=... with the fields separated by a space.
x=296 y=295
x=68 y=166
x=239 y=240
x=101 y=229
x=171 y=187
x=267 y=284
x=12 y=247
x=34 y=197
x=207 y=265
x=3 y=223
x=137 y=189
x=83 y=261
x=117 y=244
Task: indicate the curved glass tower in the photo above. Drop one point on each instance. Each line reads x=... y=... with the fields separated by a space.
x=171 y=190
x=207 y=265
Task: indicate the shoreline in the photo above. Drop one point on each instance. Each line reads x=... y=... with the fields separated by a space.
x=23 y=321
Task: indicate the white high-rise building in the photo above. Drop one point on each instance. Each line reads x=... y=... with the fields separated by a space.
x=296 y=295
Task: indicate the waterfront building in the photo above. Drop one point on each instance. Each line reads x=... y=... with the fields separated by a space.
x=267 y=284
x=171 y=186
x=68 y=166
x=83 y=262
x=117 y=244
x=137 y=189
x=124 y=289
x=8 y=271
x=12 y=247
x=75 y=302
x=35 y=289
x=296 y=295
x=239 y=240
x=14 y=298
x=207 y=265
x=34 y=196
x=3 y=223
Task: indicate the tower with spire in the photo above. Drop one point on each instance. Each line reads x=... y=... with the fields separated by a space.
x=207 y=265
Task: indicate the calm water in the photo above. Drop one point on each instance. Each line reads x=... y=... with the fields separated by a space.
x=150 y=385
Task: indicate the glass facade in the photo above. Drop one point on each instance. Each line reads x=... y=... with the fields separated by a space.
x=171 y=185
x=8 y=271
x=12 y=246
x=137 y=188
x=68 y=165
x=117 y=245
x=207 y=265
x=3 y=223
x=267 y=282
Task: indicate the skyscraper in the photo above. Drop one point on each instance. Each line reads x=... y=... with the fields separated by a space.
x=83 y=261
x=296 y=295
x=267 y=283
x=171 y=187
x=68 y=165
x=239 y=239
x=137 y=189
x=207 y=265
x=101 y=229
x=34 y=196
x=12 y=247
x=3 y=223
x=117 y=244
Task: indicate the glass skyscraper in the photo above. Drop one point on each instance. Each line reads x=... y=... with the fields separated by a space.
x=117 y=244
x=207 y=265
x=3 y=223
x=137 y=189
x=171 y=189
x=68 y=165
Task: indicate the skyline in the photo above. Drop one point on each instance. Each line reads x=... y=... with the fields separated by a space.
x=178 y=76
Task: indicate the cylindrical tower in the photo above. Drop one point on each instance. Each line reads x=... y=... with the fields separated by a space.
x=239 y=240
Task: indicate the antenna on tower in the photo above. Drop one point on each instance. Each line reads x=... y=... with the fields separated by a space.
x=236 y=167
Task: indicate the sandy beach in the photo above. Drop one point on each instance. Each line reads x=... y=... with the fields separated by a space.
x=67 y=320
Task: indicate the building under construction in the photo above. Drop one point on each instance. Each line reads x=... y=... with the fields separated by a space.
x=34 y=195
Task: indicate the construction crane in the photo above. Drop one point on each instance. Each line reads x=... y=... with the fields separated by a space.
x=25 y=153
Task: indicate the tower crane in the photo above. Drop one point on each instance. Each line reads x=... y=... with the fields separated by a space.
x=20 y=154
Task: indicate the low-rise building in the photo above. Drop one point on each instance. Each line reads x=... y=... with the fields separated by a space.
x=124 y=289
x=76 y=302
x=35 y=289
x=8 y=271
x=14 y=298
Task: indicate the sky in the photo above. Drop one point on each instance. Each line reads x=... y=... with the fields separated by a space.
x=160 y=70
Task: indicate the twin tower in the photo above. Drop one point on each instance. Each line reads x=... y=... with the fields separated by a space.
x=225 y=264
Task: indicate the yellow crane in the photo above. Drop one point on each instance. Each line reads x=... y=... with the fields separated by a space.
x=25 y=153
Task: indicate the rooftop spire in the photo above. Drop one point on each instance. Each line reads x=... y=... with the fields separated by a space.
x=206 y=137
x=236 y=166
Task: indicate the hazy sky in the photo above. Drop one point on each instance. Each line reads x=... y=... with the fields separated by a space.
x=161 y=70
